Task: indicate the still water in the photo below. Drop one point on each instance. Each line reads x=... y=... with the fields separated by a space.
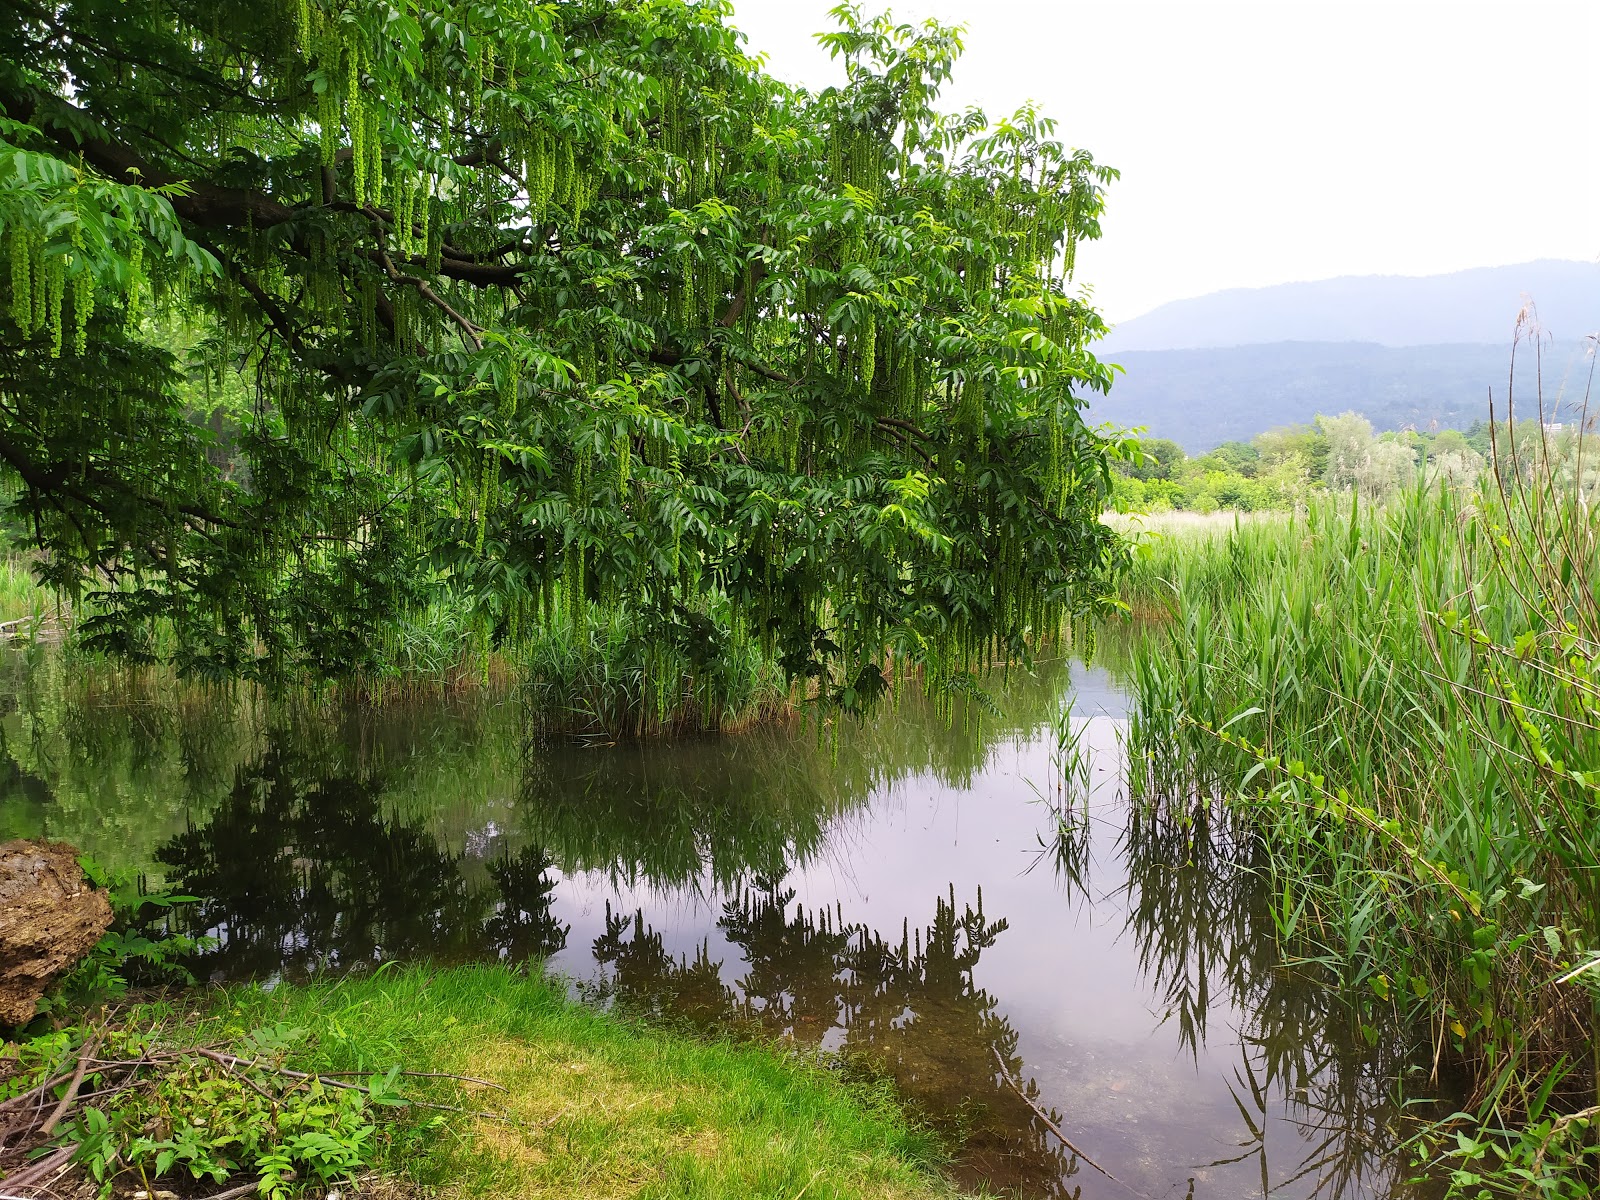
x=957 y=906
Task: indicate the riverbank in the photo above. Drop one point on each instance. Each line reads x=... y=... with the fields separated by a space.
x=563 y=1100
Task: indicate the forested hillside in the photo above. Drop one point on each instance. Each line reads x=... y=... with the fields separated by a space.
x=1202 y=398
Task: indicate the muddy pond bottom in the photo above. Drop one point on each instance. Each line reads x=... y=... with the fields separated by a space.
x=1087 y=1002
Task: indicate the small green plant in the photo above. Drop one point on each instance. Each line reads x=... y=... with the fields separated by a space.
x=143 y=945
x=141 y=1109
x=1547 y=1155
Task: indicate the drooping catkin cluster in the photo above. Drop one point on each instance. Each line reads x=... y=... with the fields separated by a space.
x=44 y=273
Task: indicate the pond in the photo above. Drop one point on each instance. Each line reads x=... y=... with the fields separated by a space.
x=956 y=905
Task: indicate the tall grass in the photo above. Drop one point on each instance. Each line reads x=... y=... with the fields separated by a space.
x=600 y=679
x=1403 y=705
x=25 y=607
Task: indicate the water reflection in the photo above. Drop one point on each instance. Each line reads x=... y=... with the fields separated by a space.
x=1195 y=904
x=907 y=1009
x=303 y=872
x=867 y=893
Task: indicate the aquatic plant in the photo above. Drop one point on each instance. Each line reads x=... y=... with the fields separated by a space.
x=1402 y=704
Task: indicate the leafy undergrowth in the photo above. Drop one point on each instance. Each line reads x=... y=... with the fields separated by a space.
x=512 y=1089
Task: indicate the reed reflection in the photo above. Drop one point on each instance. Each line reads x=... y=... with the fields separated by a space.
x=1196 y=897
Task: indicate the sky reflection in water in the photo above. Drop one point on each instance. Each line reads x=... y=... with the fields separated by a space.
x=906 y=895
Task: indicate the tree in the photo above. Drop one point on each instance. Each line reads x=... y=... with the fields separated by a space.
x=1388 y=467
x=1304 y=448
x=559 y=305
x=1449 y=441
x=1241 y=458
x=1349 y=437
x=1157 y=458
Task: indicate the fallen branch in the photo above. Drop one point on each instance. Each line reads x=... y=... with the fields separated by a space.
x=48 y=1129
x=243 y=1189
x=33 y=1173
x=233 y=1060
x=35 y=1096
x=499 y=1087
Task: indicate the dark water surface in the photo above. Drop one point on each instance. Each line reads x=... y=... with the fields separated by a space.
x=943 y=903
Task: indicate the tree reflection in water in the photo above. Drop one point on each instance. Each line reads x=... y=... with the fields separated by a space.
x=323 y=839
x=906 y=1009
x=303 y=872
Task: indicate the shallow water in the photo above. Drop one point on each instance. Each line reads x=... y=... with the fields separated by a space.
x=933 y=900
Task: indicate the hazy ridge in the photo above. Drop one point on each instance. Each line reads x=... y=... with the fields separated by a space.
x=1479 y=305
x=1421 y=352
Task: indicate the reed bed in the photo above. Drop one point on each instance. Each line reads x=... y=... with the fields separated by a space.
x=1403 y=706
x=599 y=679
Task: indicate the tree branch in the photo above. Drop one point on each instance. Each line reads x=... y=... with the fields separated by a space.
x=470 y=331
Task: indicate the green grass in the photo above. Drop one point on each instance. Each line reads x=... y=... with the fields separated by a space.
x=1403 y=704
x=600 y=1106
x=21 y=597
x=601 y=678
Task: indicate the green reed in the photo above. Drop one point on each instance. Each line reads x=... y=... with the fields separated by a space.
x=24 y=605
x=1403 y=706
x=601 y=679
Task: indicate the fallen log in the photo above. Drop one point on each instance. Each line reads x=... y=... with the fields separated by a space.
x=50 y=917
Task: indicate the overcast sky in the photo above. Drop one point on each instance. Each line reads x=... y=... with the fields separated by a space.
x=1262 y=142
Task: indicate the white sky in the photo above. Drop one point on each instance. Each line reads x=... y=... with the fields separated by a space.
x=1262 y=142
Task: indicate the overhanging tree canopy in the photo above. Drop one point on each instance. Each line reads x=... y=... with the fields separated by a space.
x=569 y=304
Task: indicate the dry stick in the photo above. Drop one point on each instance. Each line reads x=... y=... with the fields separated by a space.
x=243 y=1189
x=1005 y=1074
x=499 y=1087
x=49 y=1127
x=31 y=1174
x=245 y=1079
x=817 y=1175
x=34 y=1095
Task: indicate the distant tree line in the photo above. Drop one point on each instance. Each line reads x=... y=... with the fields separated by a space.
x=1283 y=467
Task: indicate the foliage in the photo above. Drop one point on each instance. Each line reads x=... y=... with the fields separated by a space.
x=141 y=946
x=549 y=305
x=143 y=1109
x=1401 y=702
x=1284 y=468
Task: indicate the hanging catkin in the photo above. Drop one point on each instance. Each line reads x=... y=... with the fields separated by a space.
x=868 y=351
x=55 y=280
x=22 y=244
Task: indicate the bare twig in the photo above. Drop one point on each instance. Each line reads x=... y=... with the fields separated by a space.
x=488 y=1083
x=49 y=1127
x=34 y=1095
x=232 y=1060
x=33 y=1173
x=242 y=1189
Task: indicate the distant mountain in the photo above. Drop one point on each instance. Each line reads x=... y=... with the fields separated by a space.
x=1201 y=398
x=1479 y=305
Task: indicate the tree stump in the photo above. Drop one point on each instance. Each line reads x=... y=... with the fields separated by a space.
x=50 y=917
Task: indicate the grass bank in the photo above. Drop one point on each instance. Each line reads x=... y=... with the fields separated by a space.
x=592 y=1104
x=1403 y=705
